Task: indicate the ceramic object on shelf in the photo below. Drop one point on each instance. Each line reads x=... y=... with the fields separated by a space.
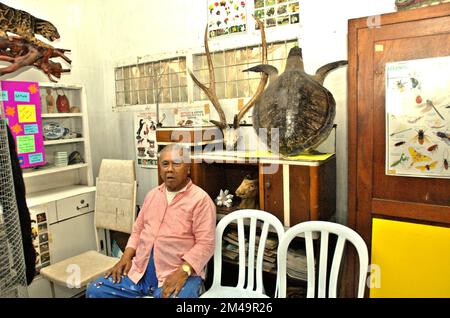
x=53 y=130
x=62 y=104
x=50 y=100
x=75 y=109
x=75 y=157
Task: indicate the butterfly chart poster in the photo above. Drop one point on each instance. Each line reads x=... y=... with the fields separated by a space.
x=226 y=17
x=418 y=118
x=22 y=109
x=145 y=139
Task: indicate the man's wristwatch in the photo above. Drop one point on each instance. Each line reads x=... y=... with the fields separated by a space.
x=187 y=269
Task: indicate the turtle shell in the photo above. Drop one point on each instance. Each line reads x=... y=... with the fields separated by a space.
x=300 y=107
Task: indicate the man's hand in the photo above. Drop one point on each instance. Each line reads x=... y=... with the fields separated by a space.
x=122 y=267
x=174 y=283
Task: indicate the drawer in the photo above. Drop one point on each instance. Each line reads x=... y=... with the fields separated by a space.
x=73 y=206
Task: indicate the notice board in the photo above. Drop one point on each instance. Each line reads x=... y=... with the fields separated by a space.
x=22 y=109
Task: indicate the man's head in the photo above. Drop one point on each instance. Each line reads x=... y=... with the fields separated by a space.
x=174 y=164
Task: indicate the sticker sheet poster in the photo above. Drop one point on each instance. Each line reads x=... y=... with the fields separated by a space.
x=145 y=139
x=192 y=117
x=40 y=238
x=418 y=118
x=276 y=13
x=22 y=108
x=226 y=17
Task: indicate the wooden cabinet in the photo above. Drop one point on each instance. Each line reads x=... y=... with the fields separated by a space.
x=403 y=36
x=293 y=190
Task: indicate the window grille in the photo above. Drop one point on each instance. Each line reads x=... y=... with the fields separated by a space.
x=231 y=81
x=161 y=81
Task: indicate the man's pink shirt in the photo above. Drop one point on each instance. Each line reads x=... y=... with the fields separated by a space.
x=182 y=230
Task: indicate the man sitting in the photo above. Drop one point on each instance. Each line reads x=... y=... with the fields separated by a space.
x=172 y=238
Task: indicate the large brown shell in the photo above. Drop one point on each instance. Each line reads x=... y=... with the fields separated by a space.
x=300 y=107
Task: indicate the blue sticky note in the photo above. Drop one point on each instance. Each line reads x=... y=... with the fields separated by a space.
x=4 y=96
x=22 y=97
x=30 y=129
x=35 y=158
x=20 y=160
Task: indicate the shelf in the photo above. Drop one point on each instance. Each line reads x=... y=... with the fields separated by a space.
x=61 y=115
x=60 y=85
x=62 y=141
x=52 y=169
x=262 y=157
x=43 y=197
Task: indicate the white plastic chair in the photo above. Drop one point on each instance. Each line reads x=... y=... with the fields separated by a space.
x=246 y=286
x=115 y=203
x=325 y=228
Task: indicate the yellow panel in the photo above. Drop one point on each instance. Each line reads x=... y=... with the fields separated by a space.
x=413 y=259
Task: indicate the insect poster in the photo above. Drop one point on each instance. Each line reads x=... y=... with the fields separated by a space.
x=145 y=139
x=226 y=17
x=22 y=109
x=418 y=118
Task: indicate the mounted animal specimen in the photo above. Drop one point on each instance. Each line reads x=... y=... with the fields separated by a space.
x=297 y=104
x=26 y=50
x=230 y=133
x=248 y=192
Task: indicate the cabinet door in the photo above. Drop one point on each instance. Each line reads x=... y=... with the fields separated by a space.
x=271 y=192
x=404 y=36
x=72 y=237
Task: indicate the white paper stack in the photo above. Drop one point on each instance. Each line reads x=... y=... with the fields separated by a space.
x=61 y=159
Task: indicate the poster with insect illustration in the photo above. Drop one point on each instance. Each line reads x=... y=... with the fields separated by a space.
x=418 y=118
x=145 y=139
x=226 y=17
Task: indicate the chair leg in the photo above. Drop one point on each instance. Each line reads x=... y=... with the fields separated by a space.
x=52 y=288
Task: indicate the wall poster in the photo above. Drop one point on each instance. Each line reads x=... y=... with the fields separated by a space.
x=145 y=139
x=40 y=237
x=418 y=118
x=22 y=108
x=192 y=116
x=226 y=17
x=275 y=13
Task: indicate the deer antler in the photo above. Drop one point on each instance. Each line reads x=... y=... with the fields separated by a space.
x=262 y=82
x=211 y=90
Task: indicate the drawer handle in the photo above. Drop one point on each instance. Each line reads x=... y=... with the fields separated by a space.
x=268 y=185
x=83 y=206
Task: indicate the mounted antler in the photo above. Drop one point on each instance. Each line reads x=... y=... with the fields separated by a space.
x=231 y=134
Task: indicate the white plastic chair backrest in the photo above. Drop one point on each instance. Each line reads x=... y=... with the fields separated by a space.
x=115 y=200
x=254 y=216
x=344 y=234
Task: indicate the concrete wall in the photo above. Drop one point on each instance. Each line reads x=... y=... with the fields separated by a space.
x=101 y=33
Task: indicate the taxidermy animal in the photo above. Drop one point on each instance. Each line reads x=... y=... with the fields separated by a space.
x=248 y=192
x=25 y=25
x=297 y=104
x=25 y=49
